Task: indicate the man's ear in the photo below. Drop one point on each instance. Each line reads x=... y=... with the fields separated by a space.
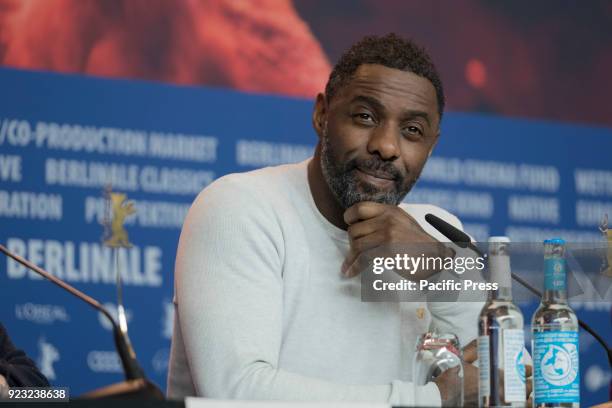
x=319 y=115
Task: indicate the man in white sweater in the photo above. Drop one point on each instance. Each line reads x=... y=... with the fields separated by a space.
x=267 y=293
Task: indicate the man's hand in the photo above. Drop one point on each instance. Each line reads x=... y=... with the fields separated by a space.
x=448 y=382
x=3 y=387
x=373 y=225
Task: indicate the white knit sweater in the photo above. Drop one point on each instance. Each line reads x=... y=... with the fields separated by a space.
x=263 y=311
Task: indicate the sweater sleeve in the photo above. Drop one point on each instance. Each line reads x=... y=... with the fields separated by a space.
x=16 y=367
x=229 y=288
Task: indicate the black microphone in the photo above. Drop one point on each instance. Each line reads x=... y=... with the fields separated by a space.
x=131 y=368
x=462 y=240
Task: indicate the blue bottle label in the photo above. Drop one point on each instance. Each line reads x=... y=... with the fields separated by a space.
x=556 y=371
x=554 y=274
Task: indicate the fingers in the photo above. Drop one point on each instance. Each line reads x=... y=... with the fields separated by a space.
x=373 y=224
x=363 y=211
x=470 y=352
x=363 y=228
x=355 y=261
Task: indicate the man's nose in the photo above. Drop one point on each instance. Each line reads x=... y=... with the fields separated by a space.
x=384 y=141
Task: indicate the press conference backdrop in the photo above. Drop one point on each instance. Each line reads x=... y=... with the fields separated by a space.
x=64 y=138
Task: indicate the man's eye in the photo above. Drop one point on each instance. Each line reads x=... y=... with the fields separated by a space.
x=413 y=130
x=364 y=117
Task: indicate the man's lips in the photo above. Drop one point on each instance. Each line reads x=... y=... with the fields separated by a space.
x=382 y=181
x=376 y=174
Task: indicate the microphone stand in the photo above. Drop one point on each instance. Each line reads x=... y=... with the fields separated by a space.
x=136 y=384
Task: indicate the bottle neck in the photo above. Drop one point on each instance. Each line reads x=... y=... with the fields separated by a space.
x=555 y=287
x=554 y=296
x=503 y=294
x=499 y=265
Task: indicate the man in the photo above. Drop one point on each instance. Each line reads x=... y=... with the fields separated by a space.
x=16 y=369
x=268 y=303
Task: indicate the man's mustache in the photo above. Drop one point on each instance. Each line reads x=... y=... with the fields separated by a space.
x=377 y=166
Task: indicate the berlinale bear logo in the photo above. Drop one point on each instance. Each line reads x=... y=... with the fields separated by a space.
x=121 y=210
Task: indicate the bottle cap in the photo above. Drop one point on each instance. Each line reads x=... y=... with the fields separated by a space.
x=498 y=239
x=555 y=241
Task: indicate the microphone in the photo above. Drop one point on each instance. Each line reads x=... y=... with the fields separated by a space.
x=132 y=370
x=463 y=240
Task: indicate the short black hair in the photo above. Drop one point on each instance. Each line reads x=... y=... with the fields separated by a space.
x=392 y=51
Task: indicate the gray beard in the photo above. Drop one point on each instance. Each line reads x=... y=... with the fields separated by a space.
x=348 y=189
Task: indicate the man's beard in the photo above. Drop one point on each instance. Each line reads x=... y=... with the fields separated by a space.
x=348 y=189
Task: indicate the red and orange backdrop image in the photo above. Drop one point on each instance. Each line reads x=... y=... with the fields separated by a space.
x=543 y=59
